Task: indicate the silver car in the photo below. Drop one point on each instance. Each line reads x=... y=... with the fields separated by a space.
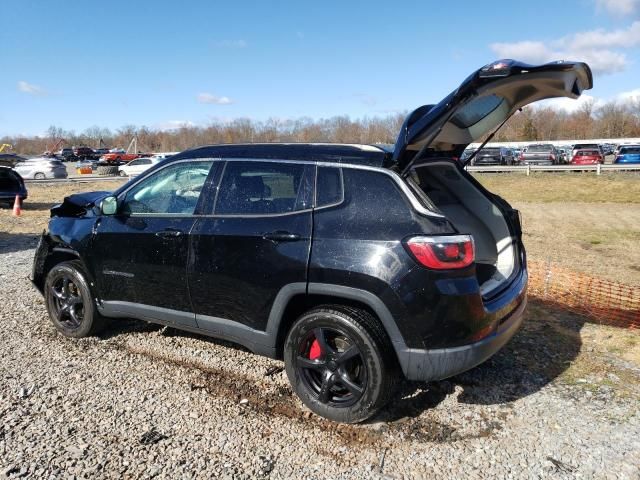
x=41 y=168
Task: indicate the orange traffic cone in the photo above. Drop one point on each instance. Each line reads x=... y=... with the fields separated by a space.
x=17 y=210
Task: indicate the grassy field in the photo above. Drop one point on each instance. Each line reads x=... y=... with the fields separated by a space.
x=587 y=223
x=564 y=187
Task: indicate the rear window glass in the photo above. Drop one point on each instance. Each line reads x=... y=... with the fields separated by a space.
x=630 y=150
x=476 y=110
x=329 y=190
x=540 y=148
x=584 y=153
x=491 y=151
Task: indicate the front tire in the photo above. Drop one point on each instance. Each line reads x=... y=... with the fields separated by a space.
x=340 y=363
x=69 y=301
x=39 y=176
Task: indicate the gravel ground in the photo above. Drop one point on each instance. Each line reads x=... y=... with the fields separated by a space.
x=560 y=401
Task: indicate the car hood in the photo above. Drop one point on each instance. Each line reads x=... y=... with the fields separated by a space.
x=78 y=204
x=486 y=99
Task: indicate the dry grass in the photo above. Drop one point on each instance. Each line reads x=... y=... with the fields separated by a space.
x=560 y=187
x=35 y=211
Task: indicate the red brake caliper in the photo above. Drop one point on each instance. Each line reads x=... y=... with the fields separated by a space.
x=315 y=351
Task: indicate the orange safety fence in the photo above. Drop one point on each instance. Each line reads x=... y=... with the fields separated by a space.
x=604 y=301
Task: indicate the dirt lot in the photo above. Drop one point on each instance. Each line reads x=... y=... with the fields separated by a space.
x=561 y=400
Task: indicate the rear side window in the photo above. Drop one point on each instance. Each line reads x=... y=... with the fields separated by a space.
x=329 y=187
x=263 y=188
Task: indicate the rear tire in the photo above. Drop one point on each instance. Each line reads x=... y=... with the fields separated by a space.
x=39 y=176
x=69 y=301
x=340 y=363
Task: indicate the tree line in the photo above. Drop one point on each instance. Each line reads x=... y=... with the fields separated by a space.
x=609 y=120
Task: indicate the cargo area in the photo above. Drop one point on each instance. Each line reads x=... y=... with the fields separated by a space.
x=471 y=212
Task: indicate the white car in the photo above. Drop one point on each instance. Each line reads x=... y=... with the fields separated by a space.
x=163 y=155
x=41 y=168
x=137 y=166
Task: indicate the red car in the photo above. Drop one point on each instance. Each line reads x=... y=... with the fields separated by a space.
x=117 y=157
x=587 y=157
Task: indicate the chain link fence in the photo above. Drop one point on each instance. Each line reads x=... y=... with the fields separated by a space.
x=603 y=301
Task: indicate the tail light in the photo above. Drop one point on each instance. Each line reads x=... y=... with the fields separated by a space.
x=552 y=156
x=442 y=252
x=521 y=156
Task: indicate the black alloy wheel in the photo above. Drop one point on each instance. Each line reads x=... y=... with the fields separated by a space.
x=340 y=363
x=69 y=301
x=330 y=364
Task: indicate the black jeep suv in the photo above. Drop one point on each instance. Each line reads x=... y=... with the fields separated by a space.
x=355 y=264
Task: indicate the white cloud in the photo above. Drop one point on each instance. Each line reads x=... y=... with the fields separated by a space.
x=569 y=105
x=630 y=95
x=600 y=38
x=596 y=47
x=30 y=88
x=213 y=99
x=174 y=125
x=231 y=44
x=619 y=7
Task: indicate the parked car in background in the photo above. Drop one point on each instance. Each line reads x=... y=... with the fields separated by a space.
x=539 y=154
x=516 y=155
x=582 y=146
x=93 y=164
x=119 y=157
x=218 y=240
x=466 y=154
x=41 y=168
x=163 y=155
x=564 y=153
x=83 y=153
x=65 y=154
x=11 y=184
x=628 y=154
x=586 y=156
x=98 y=152
x=493 y=156
x=10 y=159
x=137 y=166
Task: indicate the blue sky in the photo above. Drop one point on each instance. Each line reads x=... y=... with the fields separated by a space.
x=75 y=64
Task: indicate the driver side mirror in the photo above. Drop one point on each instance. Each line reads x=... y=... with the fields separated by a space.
x=109 y=206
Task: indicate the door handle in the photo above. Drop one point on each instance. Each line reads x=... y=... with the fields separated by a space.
x=169 y=233
x=281 y=236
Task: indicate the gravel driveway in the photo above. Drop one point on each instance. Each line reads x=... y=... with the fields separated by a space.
x=143 y=401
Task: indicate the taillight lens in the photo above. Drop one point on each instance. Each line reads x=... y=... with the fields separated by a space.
x=442 y=252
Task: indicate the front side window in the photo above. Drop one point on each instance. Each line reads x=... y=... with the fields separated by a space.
x=263 y=188
x=174 y=189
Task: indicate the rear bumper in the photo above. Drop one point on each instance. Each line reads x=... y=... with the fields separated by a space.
x=437 y=364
